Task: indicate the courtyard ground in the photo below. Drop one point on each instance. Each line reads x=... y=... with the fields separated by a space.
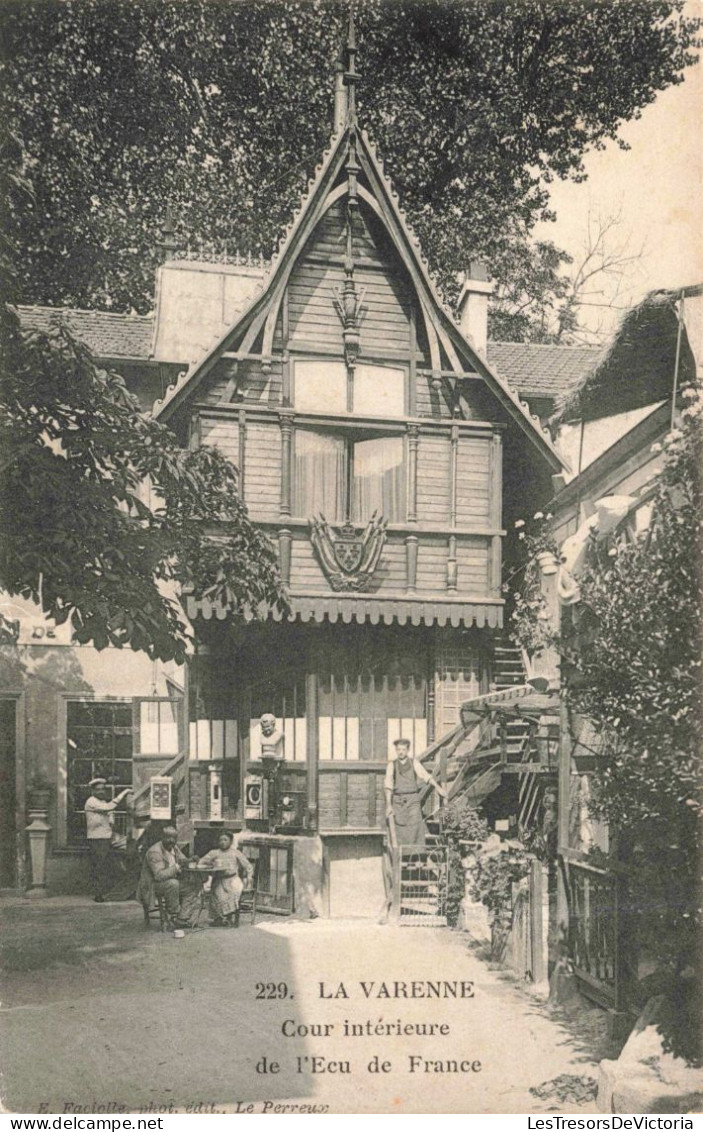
x=100 y=1015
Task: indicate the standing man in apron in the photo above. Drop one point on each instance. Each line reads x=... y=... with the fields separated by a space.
x=402 y=787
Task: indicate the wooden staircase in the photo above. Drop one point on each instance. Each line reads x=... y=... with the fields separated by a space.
x=509 y=672
x=497 y=734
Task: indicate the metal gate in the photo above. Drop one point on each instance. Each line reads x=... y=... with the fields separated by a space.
x=420 y=882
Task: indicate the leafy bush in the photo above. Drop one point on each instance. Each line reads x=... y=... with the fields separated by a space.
x=529 y=623
x=634 y=656
x=495 y=877
x=460 y=823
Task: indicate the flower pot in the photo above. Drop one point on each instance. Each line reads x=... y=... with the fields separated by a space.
x=547 y=562
x=39 y=798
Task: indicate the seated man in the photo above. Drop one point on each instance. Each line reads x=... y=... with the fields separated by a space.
x=163 y=865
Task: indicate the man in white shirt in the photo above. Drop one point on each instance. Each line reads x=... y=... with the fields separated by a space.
x=99 y=821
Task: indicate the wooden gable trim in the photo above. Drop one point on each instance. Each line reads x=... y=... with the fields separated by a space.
x=411 y=256
x=384 y=202
x=272 y=317
x=253 y=319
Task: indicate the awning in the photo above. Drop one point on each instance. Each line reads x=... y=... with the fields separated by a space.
x=405 y=611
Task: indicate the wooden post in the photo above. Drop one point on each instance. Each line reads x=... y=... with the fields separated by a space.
x=286 y=420
x=431 y=691
x=194 y=432
x=536 y=933
x=564 y=801
x=496 y=480
x=452 y=568
x=241 y=459
x=412 y=375
x=285 y=539
x=496 y=512
x=285 y=379
x=411 y=547
x=413 y=446
x=312 y=748
x=184 y=742
x=396 y=867
x=453 y=473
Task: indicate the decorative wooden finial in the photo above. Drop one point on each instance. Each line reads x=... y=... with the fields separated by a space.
x=350 y=76
x=168 y=244
x=340 y=94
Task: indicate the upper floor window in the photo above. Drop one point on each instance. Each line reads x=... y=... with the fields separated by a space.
x=373 y=391
x=348 y=477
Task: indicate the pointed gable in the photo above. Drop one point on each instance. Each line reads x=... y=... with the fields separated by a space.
x=398 y=296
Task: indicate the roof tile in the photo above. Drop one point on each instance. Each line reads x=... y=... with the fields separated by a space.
x=542 y=371
x=106 y=335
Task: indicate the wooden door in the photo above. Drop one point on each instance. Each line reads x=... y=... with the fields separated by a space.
x=355 y=877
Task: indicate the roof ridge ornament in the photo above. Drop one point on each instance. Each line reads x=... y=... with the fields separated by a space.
x=351 y=76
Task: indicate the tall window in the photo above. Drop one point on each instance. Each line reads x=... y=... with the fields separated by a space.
x=327 y=387
x=377 y=481
x=320 y=474
x=348 y=477
x=285 y=699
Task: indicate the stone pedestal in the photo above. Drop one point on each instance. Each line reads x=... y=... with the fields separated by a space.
x=38 y=832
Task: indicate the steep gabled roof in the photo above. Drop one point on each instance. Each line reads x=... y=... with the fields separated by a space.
x=637 y=368
x=445 y=338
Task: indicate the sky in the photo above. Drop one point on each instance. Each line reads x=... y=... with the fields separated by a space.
x=655 y=187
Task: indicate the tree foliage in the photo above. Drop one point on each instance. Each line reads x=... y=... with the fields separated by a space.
x=102 y=515
x=79 y=533
x=223 y=110
x=637 y=660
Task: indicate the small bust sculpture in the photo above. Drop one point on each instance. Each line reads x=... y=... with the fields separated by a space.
x=271 y=738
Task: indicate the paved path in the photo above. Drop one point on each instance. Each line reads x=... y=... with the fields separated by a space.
x=97 y=1013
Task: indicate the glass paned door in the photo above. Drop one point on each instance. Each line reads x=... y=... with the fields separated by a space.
x=319 y=475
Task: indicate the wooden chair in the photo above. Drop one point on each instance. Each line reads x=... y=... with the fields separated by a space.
x=247 y=901
x=158 y=909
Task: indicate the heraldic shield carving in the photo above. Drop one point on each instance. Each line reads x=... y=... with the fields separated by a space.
x=348 y=555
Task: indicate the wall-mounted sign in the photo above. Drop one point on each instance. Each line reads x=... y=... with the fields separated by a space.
x=160 y=798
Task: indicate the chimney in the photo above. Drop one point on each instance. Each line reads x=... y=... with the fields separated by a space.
x=473 y=306
x=340 y=95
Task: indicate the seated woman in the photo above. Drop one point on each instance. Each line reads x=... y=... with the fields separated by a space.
x=227 y=885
